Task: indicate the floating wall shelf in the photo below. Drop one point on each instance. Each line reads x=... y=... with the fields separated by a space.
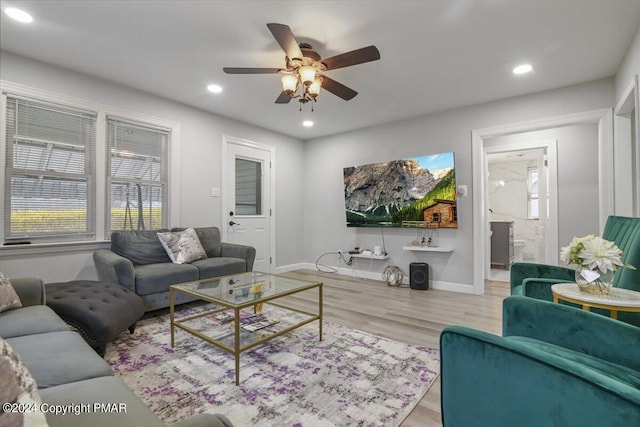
x=427 y=248
x=380 y=257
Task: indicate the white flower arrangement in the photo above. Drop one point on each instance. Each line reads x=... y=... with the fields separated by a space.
x=594 y=253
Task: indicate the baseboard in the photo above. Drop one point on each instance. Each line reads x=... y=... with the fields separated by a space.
x=292 y=267
x=363 y=274
x=453 y=287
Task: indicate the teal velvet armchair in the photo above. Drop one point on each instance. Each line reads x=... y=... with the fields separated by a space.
x=535 y=280
x=554 y=365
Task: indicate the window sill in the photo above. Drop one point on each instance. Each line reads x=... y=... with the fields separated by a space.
x=49 y=248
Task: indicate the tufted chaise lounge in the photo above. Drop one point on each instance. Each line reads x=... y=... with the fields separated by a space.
x=100 y=311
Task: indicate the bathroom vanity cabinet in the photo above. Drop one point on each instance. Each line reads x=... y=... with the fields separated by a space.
x=501 y=244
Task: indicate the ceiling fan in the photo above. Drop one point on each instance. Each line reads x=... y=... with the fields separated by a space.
x=303 y=75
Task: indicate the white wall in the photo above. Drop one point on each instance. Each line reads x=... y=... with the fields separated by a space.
x=577 y=176
x=200 y=153
x=325 y=226
x=626 y=140
x=630 y=67
x=309 y=203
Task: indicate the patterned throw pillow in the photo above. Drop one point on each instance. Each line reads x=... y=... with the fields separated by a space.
x=8 y=297
x=19 y=391
x=182 y=246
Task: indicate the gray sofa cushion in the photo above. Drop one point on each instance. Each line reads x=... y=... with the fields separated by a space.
x=30 y=290
x=103 y=390
x=58 y=358
x=141 y=247
x=220 y=266
x=154 y=278
x=36 y=319
x=209 y=239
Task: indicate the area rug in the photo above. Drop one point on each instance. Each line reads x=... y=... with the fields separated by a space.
x=351 y=378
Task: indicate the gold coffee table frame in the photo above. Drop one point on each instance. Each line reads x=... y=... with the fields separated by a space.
x=617 y=299
x=278 y=287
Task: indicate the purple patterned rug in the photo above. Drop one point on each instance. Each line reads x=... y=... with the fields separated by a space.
x=351 y=378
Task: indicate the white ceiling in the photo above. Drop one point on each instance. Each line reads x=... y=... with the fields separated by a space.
x=435 y=55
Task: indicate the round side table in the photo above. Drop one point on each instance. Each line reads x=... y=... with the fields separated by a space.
x=617 y=300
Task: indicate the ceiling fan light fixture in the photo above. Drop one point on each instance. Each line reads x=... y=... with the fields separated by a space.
x=522 y=69
x=18 y=15
x=289 y=83
x=314 y=88
x=304 y=71
x=307 y=74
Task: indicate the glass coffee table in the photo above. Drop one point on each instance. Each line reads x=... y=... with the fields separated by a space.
x=241 y=299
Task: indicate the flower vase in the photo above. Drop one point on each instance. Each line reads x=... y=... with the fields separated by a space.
x=594 y=281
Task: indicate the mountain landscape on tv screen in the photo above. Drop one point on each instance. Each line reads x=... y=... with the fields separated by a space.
x=387 y=193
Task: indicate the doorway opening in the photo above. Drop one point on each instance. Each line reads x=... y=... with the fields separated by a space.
x=605 y=201
x=522 y=199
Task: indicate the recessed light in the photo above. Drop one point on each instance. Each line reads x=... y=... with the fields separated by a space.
x=307 y=123
x=523 y=69
x=214 y=88
x=18 y=14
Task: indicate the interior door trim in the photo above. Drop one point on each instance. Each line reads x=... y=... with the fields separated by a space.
x=271 y=209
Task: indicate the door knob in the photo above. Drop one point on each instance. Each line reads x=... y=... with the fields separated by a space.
x=233 y=223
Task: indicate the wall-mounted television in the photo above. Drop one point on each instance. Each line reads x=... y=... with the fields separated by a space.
x=419 y=191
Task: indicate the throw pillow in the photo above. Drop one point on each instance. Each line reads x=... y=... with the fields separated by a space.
x=182 y=246
x=19 y=391
x=8 y=297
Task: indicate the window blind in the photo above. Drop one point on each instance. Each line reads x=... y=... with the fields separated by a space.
x=248 y=187
x=50 y=178
x=138 y=168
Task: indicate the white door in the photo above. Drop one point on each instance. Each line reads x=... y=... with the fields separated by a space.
x=247 y=202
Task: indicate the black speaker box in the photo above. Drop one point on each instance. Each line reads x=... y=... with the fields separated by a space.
x=419 y=275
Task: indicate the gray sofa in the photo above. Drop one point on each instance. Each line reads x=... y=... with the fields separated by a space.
x=68 y=372
x=138 y=261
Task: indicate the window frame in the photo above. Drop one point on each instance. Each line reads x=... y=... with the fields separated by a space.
x=99 y=217
x=29 y=142
x=255 y=192
x=162 y=182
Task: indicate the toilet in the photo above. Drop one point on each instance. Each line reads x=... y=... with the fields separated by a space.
x=518 y=250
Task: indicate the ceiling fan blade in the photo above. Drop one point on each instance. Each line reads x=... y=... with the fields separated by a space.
x=358 y=56
x=338 y=89
x=287 y=41
x=284 y=98
x=240 y=70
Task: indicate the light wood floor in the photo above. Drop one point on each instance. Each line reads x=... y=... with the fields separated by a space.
x=404 y=314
